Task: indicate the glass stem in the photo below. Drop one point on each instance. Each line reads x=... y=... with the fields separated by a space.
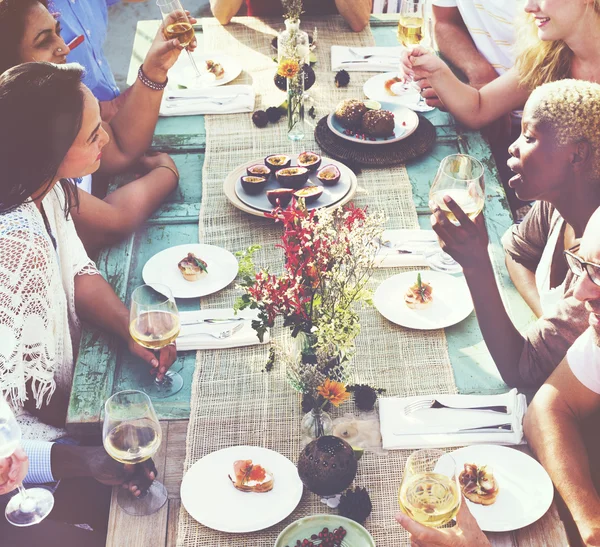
x=23 y=492
x=193 y=61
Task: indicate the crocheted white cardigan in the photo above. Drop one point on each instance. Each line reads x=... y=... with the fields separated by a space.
x=38 y=323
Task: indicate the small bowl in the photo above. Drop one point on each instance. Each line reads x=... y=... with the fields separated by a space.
x=356 y=535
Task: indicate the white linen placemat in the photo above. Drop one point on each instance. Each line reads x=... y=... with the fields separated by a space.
x=426 y=428
x=342 y=57
x=192 y=102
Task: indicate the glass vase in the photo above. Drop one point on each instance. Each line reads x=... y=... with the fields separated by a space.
x=293 y=43
x=295 y=107
x=315 y=424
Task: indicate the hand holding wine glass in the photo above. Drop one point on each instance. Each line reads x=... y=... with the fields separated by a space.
x=13 y=470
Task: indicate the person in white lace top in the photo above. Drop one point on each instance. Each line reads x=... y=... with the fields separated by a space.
x=51 y=133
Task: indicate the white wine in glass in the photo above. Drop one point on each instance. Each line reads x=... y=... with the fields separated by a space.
x=430 y=493
x=154 y=324
x=411 y=22
x=131 y=434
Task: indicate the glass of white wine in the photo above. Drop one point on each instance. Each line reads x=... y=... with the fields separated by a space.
x=177 y=25
x=430 y=492
x=28 y=506
x=131 y=434
x=462 y=178
x=154 y=324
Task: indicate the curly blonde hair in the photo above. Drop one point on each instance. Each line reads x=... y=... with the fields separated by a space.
x=572 y=109
x=541 y=61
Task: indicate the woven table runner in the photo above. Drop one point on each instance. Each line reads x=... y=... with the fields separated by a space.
x=234 y=401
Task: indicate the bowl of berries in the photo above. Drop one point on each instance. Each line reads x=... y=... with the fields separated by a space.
x=325 y=531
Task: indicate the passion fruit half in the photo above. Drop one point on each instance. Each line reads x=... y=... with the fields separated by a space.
x=310 y=160
x=258 y=170
x=292 y=177
x=280 y=197
x=329 y=175
x=252 y=184
x=309 y=193
x=277 y=161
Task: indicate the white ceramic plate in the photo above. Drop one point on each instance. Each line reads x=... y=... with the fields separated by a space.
x=374 y=88
x=526 y=490
x=406 y=124
x=162 y=268
x=451 y=301
x=211 y=499
x=182 y=73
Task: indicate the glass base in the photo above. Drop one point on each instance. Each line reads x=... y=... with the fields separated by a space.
x=30 y=509
x=172 y=383
x=443 y=262
x=150 y=503
x=295 y=137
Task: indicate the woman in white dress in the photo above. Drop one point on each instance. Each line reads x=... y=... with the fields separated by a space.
x=51 y=133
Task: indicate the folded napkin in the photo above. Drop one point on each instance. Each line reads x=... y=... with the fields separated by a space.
x=190 y=336
x=418 y=242
x=227 y=99
x=342 y=57
x=426 y=428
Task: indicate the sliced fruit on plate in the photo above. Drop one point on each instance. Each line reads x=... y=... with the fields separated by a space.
x=277 y=161
x=329 y=175
x=252 y=184
x=280 y=197
x=310 y=160
x=373 y=105
x=258 y=170
x=309 y=193
x=292 y=177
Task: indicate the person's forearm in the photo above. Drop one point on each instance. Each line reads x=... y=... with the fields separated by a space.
x=355 y=12
x=69 y=461
x=524 y=281
x=503 y=340
x=224 y=10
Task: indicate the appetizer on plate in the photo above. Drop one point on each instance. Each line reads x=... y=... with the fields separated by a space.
x=215 y=68
x=419 y=295
x=251 y=477
x=192 y=268
x=478 y=484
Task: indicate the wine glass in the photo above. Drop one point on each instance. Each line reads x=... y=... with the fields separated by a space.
x=154 y=324
x=177 y=25
x=460 y=177
x=429 y=492
x=28 y=506
x=131 y=434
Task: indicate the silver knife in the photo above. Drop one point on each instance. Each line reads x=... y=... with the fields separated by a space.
x=215 y=320
x=200 y=97
x=366 y=61
x=501 y=428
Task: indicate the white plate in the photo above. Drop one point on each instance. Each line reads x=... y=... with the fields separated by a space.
x=162 y=268
x=451 y=301
x=211 y=499
x=406 y=124
x=183 y=73
x=526 y=490
x=374 y=88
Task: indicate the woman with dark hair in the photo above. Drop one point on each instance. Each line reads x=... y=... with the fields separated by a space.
x=28 y=32
x=47 y=282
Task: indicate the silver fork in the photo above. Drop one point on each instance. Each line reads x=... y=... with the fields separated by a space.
x=221 y=335
x=432 y=403
x=361 y=56
x=218 y=102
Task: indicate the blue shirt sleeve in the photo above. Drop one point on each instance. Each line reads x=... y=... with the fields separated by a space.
x=40 y=462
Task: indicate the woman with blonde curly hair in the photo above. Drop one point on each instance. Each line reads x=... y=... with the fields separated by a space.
x=558 y=40
x=555 y=161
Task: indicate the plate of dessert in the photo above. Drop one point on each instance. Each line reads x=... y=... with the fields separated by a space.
x=424 y=300
x=191 y=270
x=261 y=185
x=505 y=488
x=241 y=489
x=341 y=530
x=215 y=68
x=366 y=122
x=387 y=89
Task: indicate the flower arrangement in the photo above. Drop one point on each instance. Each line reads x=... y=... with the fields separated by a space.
x=329 y=259
x=292 y=9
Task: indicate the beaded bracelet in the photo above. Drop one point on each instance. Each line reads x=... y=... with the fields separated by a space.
x=170 y=169
x=149 y=83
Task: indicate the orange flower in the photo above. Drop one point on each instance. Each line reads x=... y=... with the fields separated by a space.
x=334 y=392
x=288 y=68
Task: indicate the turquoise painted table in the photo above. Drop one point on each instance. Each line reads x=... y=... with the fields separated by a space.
x=104 y=365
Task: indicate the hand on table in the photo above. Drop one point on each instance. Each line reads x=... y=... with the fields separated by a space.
x=160 y=365
x=153 y=160
x=467 y=243
x=466 y=533
x=13 y=470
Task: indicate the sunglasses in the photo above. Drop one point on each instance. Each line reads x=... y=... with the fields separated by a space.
x=580 y=267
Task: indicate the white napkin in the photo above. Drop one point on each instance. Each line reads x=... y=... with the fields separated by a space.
x=190 y=102
x=190 y=337
x=386 y=63
x=418 y=241
x=425 y=428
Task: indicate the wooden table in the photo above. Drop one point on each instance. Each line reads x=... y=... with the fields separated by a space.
x=104 y=366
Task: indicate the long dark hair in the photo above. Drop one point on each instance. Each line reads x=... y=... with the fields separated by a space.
x=41 y=111
x=13 y=17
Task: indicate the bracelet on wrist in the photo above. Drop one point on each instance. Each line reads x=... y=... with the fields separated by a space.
x=150 y=83
x=170 y=169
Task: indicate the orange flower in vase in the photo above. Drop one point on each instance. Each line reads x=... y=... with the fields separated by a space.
x=334 y=392
x=288 y=68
